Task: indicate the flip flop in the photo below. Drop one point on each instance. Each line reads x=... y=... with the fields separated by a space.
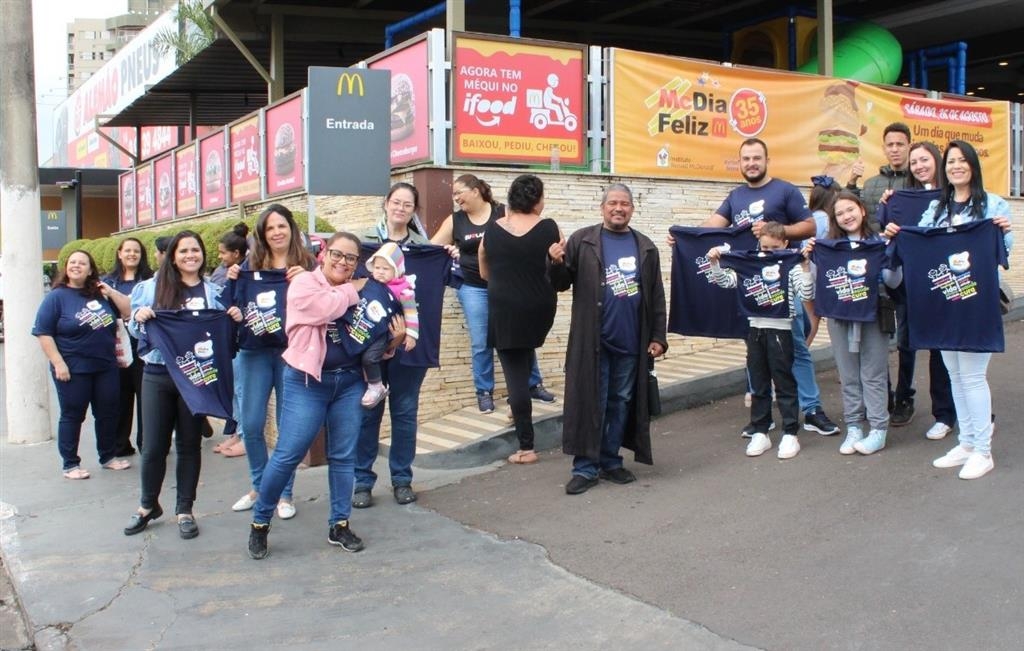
x=226 y=443
x=523 y=457
x=117 y=464
x=76 y=473
x=234 y=450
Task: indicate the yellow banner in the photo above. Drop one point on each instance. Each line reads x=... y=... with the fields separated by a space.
x=686 y=118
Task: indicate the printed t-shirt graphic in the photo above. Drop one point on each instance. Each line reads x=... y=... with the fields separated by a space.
x=762 y=281
x=197 y=348
x=846 y=282
x=432 y=267
x=905 y=207
x=261 y=296
x=82 y=328
x=697 y=306
x=953 y=285
x=776 y=201
x=619 y=321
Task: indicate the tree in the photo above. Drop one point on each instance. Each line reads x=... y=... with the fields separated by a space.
x=195 y=31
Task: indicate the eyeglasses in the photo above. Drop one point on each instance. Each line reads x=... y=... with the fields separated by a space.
x=404 y=205
x=338 y=256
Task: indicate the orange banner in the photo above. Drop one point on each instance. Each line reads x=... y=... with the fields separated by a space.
x=686 y=118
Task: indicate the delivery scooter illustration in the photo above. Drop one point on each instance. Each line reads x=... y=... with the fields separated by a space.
x=548 y=108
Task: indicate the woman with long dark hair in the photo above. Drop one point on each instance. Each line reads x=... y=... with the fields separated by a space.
x=130 y=268
x=258 y=297
x=521 y=300
x=76 y=328
x=964 y=200
x=178 y=284
x=461 y=233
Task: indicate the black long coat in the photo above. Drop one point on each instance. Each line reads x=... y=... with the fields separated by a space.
x=583 y=270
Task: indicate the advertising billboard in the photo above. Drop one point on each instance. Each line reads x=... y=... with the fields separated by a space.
x=163 y=178
x=126 y=200
x=212 y=175
x=410 y=102
x=244 y=139
x=284 y=147
x=144 y=195
x=516 y=101
x=186 y=173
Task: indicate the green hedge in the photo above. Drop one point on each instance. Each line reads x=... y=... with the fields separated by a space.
x=104 y=250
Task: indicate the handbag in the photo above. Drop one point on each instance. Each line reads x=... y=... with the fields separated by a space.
x=123 y=346
x=653 y=393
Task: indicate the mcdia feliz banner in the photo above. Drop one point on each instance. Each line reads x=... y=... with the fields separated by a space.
x=686 y=118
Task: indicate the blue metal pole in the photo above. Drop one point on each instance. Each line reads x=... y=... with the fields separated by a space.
x=961 y=59
x=395 y=28
x=515 y=18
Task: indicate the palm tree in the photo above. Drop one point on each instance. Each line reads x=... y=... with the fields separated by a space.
x=195 y=31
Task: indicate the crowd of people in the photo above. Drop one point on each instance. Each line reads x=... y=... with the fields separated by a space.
x=340 y=338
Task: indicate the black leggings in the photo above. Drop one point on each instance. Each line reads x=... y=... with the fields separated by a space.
x=517 y=363
x=130 y=407
x=163 y=411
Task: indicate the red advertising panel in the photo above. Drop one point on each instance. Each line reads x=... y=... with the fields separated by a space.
x=163 y=175
x=517 y=100
x=144 y=195
x=185 y=181
x=157 y=140
x=126 y=200
x=284 y=146
x=245 y=159
x=212 y=172
x=410 y=103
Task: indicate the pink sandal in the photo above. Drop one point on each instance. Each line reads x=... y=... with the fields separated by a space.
x=523 y=457
x=76 y=473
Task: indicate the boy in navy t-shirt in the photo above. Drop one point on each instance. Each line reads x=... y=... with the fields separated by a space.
x=769 y=281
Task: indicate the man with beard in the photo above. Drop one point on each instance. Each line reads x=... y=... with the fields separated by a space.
x=761 y=199
x=615 y=274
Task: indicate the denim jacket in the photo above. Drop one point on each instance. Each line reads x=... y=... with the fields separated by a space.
x=995 y=206
x=144 y=295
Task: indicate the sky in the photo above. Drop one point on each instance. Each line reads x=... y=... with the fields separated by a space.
x=49 y=25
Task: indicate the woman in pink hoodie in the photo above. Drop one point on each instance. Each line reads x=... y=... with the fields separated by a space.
x=323 y=384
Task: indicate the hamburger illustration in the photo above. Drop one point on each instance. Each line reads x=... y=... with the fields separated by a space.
x=164 y=191
x=284 y=149
x=839 y=144
x=214 y=173
x=403 y=107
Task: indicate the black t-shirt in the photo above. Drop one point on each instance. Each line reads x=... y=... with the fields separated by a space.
x=467 y=236
x=698 y=306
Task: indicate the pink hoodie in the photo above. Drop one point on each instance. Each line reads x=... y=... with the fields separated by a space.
x=313 y=303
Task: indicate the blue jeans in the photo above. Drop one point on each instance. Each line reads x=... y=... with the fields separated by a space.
x=307 y=404
x=102 y=391
x=259 y=371
x=404 y=401
x=474 y=306
x=618 y=380
x=972 y=397
x=803 y=366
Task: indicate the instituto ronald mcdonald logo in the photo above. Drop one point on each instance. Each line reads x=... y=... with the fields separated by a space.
x=350 y=81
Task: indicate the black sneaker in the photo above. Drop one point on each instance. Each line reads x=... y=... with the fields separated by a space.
x=485 y=401
x=538 y=392
x=579 y=484
x=902 y=413
x=817 y=421
x=617 y=476
x=404 y=495
x=748 y=431
x=342 y=536
x=362 y=498
x=258 y=541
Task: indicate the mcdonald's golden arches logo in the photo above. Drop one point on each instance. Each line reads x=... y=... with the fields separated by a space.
x=350 y=80
x=52 y=216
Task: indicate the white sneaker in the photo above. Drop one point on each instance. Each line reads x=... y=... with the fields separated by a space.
x=978 y=465
x=958 y=456
x=285 y=510
x=244 y=503
x=759 y=444
x=873 y=442
x=938 y=431
x=789 y=446
x=853 y=434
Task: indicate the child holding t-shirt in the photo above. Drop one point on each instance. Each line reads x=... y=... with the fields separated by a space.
x=769 y=282
x=387 y=265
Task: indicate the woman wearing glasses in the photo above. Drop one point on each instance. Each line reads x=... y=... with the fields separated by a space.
x=323 y=382
x=257 y=291
x=401 y=226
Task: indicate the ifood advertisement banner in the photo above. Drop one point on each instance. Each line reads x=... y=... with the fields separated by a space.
x=410 y=102
x=285 y=171
x=686 y=118
x=349 y=131
x=517 y=101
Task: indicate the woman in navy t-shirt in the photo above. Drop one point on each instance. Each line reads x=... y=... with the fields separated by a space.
x=130 y=268
x=76 y=327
